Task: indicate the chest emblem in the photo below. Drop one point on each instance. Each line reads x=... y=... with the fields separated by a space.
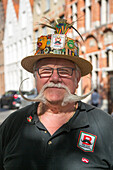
x=29 y=119
x=86 y=141
x=85 y=160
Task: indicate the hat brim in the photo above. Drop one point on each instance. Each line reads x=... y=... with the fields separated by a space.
x=84 y=65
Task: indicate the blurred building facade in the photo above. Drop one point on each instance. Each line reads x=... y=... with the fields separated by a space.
x=50 y=9
x=2 y=25
x=18 y=37
x=94 y=20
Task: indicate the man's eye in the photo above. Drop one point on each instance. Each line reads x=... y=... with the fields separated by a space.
x=45 y=71
x=64 y=71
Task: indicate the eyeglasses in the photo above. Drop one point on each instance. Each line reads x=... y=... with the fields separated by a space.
x=61 y=71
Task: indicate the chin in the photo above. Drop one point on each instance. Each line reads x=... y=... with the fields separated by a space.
x=54 y=99
x=56 y=103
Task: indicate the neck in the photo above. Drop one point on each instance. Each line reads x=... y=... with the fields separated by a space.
x=54 y=117
x=56 y=109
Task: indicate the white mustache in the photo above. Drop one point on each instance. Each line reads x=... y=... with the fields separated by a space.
x=69 y=98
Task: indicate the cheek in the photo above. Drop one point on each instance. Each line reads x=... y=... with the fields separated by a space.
x=71 y=85
x=72 y=88
x=40 y=83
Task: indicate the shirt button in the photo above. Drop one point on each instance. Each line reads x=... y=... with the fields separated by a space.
x=45 y=131
x=50 y=142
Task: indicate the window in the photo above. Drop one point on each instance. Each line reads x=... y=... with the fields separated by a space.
x=87 y=13
x=24 y=19
x=107 y=59
x=100 y=9
x=47 y=5
x=9 y=57
x=95 y=62
x=24 y=45
x=38 y=8
x=109 y=55
x=35 y=43
x=14 y=52
x=29 y=45
x=19 y=47
x=74 y=17
x=55 y=1
x=108 y=37
x=107 y=11
x=104 y=6
x=36 y=35
x=62 y=16
x=90 y=58
x=52 y=30
x=44 y=30
x=10 y=29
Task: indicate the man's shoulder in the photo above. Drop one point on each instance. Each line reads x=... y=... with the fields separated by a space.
x=101 y=117
x=18 y=116
x=91 y=108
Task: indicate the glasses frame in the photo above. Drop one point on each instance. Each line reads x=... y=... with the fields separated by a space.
x=37 y=69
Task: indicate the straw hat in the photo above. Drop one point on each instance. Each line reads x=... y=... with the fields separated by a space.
x=58 y=45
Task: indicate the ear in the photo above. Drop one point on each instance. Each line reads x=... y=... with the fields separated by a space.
x=77 y=84
x=34 y=74
x=78 y=77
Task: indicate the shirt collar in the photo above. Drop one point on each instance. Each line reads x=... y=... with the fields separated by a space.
x=30 y=116
x=79 y=120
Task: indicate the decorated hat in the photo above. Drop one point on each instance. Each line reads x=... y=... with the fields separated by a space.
x=58 y=45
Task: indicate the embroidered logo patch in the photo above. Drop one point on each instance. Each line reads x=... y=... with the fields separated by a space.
x=29 y=119
x=86 y=141
x=58 y=41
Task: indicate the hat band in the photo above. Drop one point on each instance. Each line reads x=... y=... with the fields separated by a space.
x=57 y=44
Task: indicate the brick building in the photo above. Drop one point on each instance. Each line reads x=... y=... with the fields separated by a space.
x=94 y=20
x=51 y=9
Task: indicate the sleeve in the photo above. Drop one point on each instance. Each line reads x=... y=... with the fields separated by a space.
x=109 y=141
x=105 y=123
x=8 y=129
x=1 y=149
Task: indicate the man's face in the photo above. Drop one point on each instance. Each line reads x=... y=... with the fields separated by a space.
x=55 y=94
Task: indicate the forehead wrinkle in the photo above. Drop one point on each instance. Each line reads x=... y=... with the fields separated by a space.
x=55 y=62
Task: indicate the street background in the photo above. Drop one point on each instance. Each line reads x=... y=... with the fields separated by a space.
x=20 y=28
x=4 y=113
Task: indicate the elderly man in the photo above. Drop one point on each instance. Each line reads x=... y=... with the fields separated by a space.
x=58 y=132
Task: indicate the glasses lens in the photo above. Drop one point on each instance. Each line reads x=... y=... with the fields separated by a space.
x=45 y=72
x=65 y=71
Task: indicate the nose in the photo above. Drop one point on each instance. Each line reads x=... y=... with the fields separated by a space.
x=55 y=77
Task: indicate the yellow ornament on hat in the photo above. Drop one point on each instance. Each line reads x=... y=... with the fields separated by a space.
x=42 y=41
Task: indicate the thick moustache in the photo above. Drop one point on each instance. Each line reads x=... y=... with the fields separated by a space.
x=55 y=87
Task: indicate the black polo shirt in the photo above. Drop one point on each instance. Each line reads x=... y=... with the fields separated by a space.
x=84 y=142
